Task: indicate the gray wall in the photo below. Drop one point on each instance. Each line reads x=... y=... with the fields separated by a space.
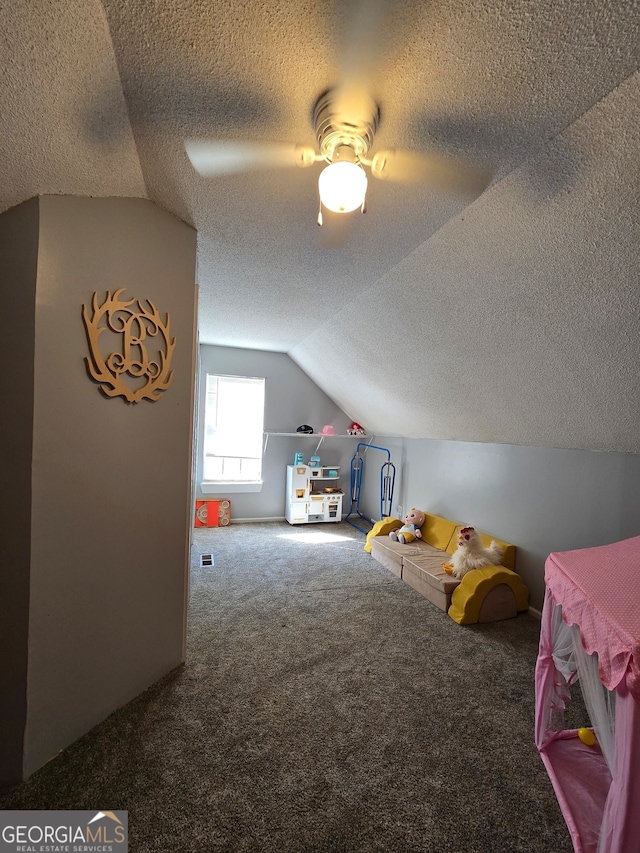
x=18 y=264
x=540 y=499
x=110 y=480
x=292 y=399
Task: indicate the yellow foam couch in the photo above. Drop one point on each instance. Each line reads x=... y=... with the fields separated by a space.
x=483 y=595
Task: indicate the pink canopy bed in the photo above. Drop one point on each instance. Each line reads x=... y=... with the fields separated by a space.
x=591 y=631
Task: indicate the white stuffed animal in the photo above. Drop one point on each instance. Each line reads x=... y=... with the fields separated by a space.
x=471 y=555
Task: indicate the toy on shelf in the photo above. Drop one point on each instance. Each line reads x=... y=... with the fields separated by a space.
x=327 y=429
x=305 y=428
x=314 y=462
x=355 y=429
x=410 y=530
x=298 y=459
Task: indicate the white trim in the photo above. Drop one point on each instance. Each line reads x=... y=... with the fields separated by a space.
x=533 y=612
x=254 y=520
x=229 y=488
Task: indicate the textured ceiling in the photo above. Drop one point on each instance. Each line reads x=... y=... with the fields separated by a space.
x=510 y=319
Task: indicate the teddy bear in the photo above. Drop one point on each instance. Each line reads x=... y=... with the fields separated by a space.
x=410 y=530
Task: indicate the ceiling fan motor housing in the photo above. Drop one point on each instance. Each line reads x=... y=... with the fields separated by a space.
x=336 y=129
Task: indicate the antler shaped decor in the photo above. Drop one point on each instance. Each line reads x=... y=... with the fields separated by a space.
x=134 y=325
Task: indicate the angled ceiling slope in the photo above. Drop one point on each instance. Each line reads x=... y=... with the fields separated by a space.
x=518 y=322
x=60 y=99
x=509 y=305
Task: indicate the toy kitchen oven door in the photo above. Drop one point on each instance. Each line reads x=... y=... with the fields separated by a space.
x=313 y=494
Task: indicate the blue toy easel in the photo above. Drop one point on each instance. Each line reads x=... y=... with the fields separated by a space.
x=387 y=480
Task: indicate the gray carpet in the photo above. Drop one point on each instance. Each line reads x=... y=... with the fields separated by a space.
x=325 y=706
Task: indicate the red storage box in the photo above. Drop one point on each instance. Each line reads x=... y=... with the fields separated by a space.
x=213 y=513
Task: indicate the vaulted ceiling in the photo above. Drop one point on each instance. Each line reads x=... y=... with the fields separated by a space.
x=509 y=317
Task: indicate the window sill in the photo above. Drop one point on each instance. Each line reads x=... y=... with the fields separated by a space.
x=229 y=488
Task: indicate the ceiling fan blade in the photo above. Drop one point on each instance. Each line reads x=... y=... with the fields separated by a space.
x=450 y=174
x=214 y=158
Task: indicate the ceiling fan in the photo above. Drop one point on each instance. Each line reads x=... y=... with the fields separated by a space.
x=345 y=120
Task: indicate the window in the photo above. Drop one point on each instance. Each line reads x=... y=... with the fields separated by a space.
x=233 y=429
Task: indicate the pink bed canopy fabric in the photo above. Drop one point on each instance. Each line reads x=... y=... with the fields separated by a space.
x=597 y=591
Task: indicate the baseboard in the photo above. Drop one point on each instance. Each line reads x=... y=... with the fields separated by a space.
x=533 y=612
x=257 y=520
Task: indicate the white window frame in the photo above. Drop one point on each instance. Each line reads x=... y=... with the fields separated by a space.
x=210 y=421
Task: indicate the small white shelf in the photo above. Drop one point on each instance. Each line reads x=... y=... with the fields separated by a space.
x=317 y=435
x=314 y=434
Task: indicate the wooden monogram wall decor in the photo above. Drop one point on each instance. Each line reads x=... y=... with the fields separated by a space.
x=141 y=368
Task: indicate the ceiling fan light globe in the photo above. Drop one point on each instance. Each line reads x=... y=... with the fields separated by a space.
x=342 y=187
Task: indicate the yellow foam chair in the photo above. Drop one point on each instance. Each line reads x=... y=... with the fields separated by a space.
x=486 y=594
x=382 y=528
